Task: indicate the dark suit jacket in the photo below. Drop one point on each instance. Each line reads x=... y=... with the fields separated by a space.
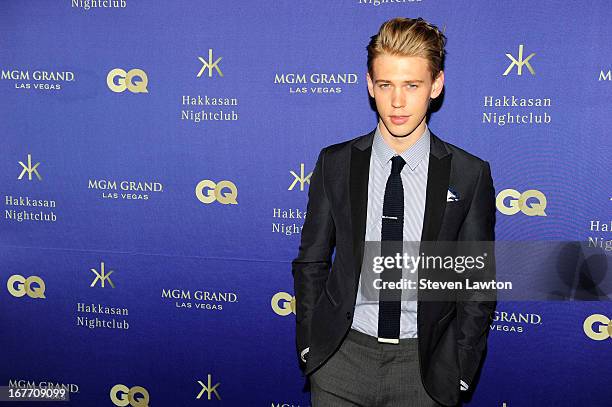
x=451 y=334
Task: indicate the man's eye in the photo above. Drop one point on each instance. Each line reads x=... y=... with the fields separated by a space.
x=413 y=86
x=384 y=85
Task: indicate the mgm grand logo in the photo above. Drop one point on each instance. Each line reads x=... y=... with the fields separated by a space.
x=317 y=83
x=204 y=300
x=125 y=190
x=39 y=79
x=27 y=384
x=514 y=321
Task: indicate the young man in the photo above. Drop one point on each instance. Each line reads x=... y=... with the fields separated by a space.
x=399 y=182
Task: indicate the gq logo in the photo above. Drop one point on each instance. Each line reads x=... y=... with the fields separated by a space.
x=33 y=287
x=283 y=304
x=224 y=192
x=598 y=327
x=531 y=202
x=118 y=80
x=123 y=396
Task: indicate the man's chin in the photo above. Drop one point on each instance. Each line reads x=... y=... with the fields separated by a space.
x=400 y=131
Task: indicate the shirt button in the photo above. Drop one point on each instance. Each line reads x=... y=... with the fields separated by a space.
x=348 y=315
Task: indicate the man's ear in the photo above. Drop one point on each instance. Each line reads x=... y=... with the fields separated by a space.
x=370 y=85
x=438 y=85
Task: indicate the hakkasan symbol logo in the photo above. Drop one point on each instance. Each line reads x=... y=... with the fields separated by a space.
x=134 y=80
x=283 y=304
x=33 y=286
x=302 y=178
x=224 y=192
x=136 y=396
x=531 y=202
x=210 y=64
x=102 y=276
x=208 y=389
x=519 y=62
x=29 y=169
x=598 y=327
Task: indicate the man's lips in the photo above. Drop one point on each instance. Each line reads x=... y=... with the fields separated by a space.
x=399 y=119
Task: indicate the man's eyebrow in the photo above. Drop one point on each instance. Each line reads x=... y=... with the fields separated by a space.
x=388 y=81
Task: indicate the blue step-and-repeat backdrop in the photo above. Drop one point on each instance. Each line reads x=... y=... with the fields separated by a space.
x=154 y=169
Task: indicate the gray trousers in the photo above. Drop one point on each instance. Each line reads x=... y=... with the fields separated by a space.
x=367 y=373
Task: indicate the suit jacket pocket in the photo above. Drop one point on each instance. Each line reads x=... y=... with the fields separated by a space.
x=330 y=296
x=454 y=215
x=446 y=318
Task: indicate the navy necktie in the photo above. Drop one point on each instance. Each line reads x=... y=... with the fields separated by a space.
x=389 y=306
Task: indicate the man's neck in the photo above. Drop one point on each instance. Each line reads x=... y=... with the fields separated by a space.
x=401 y=144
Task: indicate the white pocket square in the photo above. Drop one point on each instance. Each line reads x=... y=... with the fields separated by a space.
x=452 y=196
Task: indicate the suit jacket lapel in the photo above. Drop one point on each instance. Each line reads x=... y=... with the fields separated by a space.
x=358 y=187
x=438 y=176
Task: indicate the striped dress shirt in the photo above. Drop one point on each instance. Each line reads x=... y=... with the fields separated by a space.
x=414 y=182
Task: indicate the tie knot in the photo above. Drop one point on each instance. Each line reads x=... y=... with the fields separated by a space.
x=397 y=163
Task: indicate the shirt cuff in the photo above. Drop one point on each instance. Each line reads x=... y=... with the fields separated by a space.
x=463 y=385
x=303 y=354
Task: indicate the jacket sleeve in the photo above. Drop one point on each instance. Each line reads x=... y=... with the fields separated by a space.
x=475 y=308
x=310 y=268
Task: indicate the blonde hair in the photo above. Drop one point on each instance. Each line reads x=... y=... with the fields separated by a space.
x=409 y=37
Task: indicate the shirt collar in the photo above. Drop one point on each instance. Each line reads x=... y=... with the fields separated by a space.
x=413 y=155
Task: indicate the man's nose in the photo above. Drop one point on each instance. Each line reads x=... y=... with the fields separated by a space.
x=398 y=99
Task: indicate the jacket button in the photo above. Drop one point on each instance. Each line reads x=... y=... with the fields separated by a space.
x=348 y=315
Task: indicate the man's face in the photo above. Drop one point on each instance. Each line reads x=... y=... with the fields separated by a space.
x=401 y=87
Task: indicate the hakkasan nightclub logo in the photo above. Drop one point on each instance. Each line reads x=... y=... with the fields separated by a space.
x=125 y=189
x=27 y=208
x=103 y=276
x=38 y=80
x=102 y=316
x=514 y=322
x=209 y=389
x=512 y=109
x=202 y=108
x=315 y=83
x=290 y=221
x=377 y=3
x=199 y=299
x=97 y=315
x=600 y=232
x=88 y=5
